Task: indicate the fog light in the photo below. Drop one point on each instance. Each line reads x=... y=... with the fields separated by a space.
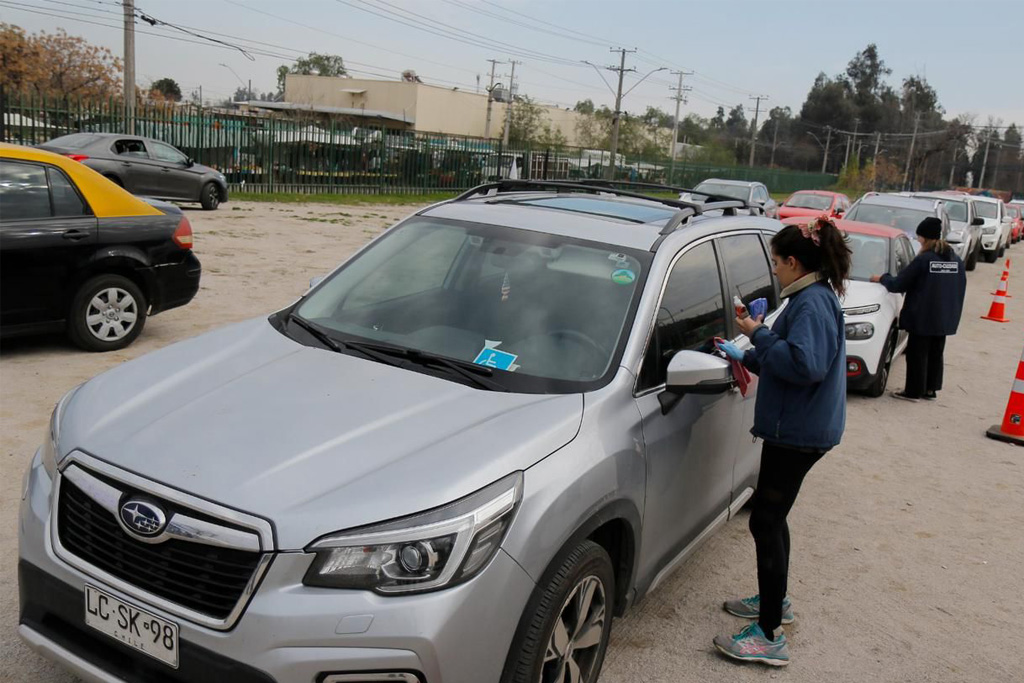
x=853 y=368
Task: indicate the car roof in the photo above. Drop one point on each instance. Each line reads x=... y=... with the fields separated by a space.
x=826 y=193
x=858 y=227
x=739 y=183
x=983 y=198
x=537 y=212
x=919 y=203
x=106 y=199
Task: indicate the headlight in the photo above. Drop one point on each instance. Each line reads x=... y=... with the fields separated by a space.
x=862 y=310
x=988 y=231
x=51 y=439
x=425 y=552
x=859 y=330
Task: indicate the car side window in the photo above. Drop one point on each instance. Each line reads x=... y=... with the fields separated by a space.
x=747 y=270
x=691 y=315
x=760 y=194
x=902 y=249
x=24 y=193
x=163 y=152
x=131 y=148
x=66 y=200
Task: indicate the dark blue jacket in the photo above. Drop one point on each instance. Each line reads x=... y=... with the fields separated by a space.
x=801 y=364
x=935 y=287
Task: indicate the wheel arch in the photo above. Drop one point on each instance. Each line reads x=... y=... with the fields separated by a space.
x=135 y=267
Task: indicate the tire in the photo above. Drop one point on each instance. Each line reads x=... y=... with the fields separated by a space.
x=1001 y=252
x=209 y=197
x=972 y=258
x=877 y=387
x=96 y=325
x=991 y=256
x=586 y=568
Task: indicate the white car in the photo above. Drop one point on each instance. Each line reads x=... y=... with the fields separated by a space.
x=873 y=337
x=995 y=231
x=964 y=225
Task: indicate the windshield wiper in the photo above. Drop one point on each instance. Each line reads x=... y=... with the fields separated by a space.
x=476 y=374
x=334 y=344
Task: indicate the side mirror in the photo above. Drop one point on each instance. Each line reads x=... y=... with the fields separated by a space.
x=978 y=220
x=314 y=281
x=693 y=372
x=189 y=162
x=840 y=211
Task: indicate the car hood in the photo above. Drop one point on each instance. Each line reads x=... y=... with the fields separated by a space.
x=313 y=440
x=790 y=211
x=860 y=293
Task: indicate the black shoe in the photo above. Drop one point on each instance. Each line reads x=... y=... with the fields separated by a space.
x=903 y=396
x=930 y=396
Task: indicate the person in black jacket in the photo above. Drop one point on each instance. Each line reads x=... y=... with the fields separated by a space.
x=935 y=284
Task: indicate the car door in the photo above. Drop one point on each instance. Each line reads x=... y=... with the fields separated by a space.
x=690 y=449
x=46 y=231
x=903 y=254
x=134 y=166
x=177 y=180
x=748 y=275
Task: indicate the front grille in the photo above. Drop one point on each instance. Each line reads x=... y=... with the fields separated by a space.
x=203 y=578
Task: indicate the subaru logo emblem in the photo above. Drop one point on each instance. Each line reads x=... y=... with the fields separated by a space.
x=142 y=518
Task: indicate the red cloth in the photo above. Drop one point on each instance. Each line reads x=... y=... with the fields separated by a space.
x=741 y=375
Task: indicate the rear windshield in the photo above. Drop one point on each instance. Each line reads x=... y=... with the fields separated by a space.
x=73 y=141
x=817 y=202
x=735 y=191
x=987 y=209
x=898 y=217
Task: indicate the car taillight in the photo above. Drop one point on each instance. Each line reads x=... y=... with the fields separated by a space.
x=183 y=235
x=77 y=157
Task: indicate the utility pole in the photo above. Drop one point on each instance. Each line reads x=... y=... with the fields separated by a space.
x=753 y=128
x=952 y=167
x=828 y=141
x=679 y=97
x=910 y=155
x=775 y=142
x=250 y=90
x=874 y=162
x=984 y=163
x=490 y=98
x=129 y=66
x=849 y=142
x=609 y=171
x=511 y=99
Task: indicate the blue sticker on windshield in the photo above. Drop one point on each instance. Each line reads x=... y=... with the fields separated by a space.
x=493 y=357
x=623 y=276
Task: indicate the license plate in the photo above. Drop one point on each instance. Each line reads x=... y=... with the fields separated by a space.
x=134 y=627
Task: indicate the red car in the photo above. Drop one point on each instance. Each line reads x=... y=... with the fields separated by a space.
x=814 y=203
x=1016 y=214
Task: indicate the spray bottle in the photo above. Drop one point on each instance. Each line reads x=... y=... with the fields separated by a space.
x=741 y=308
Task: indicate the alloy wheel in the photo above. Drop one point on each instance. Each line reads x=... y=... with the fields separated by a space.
x=573 y=649
x=111 y=314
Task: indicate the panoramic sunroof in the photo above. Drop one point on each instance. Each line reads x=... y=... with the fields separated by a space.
x=637 y=213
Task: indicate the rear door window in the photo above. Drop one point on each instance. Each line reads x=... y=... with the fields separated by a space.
x=746 y=269
x=23 y=192
x=66 y=200
x=691 y=315
x=131 y=148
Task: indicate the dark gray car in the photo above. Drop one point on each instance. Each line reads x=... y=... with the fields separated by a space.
x=145 y=166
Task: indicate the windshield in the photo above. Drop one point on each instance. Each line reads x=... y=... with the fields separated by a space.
x=735 y=191
x=819 y=202
x=957 y=210
x=899 y=217
x=870 y=256
x=1013 y=211
x=547 y=314
x=987 y=209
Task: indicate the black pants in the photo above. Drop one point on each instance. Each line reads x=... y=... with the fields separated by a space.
x=924 y=364
x=782 y=471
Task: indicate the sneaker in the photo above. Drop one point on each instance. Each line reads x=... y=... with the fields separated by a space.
x=751 y=645
x=903 y=397
x=750 y=608
x=930 y=396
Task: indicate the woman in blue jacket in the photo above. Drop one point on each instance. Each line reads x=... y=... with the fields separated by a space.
x=800 y=415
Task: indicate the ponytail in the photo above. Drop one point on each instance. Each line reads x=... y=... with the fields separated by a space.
x=941 y=247
x=820 y=247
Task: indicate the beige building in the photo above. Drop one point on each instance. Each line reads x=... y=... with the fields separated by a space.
x=416 y=106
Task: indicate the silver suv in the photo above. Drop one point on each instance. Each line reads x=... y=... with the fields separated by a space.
x=451 y=461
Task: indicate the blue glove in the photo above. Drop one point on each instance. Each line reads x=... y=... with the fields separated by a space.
x=729 y=349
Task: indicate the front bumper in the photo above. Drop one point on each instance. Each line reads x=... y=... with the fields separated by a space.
x=990 y=242
x=289 y=633
x=962 y=249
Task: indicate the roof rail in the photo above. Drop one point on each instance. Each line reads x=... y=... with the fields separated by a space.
x=669 y=188
x=727 y=205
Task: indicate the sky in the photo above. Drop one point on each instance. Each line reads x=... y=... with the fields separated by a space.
x=972 y=53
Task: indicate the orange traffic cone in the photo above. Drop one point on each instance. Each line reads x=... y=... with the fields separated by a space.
x=1012 y=429
x=1006 y=278
x=997 y=312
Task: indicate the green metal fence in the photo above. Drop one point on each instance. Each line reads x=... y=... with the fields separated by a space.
x=318 y=154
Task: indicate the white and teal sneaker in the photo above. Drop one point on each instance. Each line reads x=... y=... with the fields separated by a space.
x=750 y=608
x=751 y=645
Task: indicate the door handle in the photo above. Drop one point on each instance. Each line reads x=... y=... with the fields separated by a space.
x=126 y=163
x=75 y=234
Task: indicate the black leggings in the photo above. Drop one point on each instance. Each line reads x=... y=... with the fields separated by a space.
x=782 y=471
x=924 y=364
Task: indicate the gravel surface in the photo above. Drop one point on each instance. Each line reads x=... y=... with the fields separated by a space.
x=907 y=539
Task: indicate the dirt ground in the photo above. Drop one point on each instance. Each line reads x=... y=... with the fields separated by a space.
x=908 y=539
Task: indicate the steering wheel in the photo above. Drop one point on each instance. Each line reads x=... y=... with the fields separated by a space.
x=597 y=352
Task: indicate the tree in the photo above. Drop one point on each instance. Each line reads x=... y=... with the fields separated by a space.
x=585 y=107
x=409 y=76
x=167 y=89
x=56 y=65
x=315 y=64
x=718 y=122
x=528 y=117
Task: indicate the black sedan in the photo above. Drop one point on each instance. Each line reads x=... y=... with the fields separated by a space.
x=80 y=254
x=144 y=166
